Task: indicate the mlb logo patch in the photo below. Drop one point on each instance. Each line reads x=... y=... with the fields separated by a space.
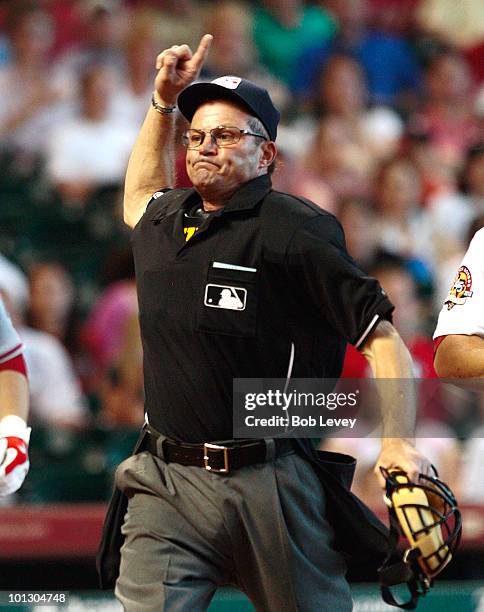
x=225 y=296
x=230 y=82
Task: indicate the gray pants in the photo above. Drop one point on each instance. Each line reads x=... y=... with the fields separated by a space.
x=261 y=529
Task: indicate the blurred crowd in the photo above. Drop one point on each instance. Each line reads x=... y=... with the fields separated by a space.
x=382 y=106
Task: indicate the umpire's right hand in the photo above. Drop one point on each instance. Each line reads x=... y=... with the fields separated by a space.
x=177 y=68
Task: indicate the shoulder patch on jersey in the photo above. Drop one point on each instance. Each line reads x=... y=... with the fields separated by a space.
x=158 y=194
x=460 y=291
x=155 y=196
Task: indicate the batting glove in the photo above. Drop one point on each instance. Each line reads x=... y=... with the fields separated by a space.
x=14 y=460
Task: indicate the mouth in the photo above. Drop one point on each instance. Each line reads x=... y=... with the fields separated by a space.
x=205 y=162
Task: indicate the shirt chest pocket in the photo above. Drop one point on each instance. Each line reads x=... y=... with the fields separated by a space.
x=229 y=300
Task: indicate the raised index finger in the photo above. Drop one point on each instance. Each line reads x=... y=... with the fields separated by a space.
x=202 y=51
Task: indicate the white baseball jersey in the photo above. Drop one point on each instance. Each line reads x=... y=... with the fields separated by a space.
x=10 y=343
x=463 y=309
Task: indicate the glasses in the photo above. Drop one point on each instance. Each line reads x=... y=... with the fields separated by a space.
x=222 y=136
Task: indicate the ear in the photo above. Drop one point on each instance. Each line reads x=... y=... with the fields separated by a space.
x=269 y=153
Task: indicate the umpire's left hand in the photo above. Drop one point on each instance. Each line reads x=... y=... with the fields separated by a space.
x=400 y=453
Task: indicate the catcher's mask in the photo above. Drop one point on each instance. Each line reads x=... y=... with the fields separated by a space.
x=426 y=514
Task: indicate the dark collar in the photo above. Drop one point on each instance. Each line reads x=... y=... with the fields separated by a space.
x=250 y=194
x=245 y=198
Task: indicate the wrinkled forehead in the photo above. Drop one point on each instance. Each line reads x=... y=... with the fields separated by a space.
x=220 y=112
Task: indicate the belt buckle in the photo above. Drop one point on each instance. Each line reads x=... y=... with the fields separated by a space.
x=206 y=458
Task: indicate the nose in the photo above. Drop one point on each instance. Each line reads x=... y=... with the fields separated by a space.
x=208 y=145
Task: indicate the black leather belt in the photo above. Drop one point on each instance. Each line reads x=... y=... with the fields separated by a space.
x=219 y=458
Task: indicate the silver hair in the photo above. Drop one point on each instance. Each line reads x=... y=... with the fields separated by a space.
x=255 y=125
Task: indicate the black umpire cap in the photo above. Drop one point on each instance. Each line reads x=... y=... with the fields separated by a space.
x=253 y=97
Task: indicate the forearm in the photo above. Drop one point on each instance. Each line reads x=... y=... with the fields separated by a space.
x=14 y=432
x=14 y=394
x=391 y=364
x=151 y=165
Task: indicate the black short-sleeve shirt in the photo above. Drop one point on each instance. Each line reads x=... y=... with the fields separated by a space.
x=265 y=286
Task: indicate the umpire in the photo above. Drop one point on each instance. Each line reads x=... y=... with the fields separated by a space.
x=238 y=281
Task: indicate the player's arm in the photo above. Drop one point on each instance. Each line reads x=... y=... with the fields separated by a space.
x=14 y=408
x=14 y=394
x=152 y=165
x=14 y=433
x=460 y=356
x=459 y=334
x=390 y=360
